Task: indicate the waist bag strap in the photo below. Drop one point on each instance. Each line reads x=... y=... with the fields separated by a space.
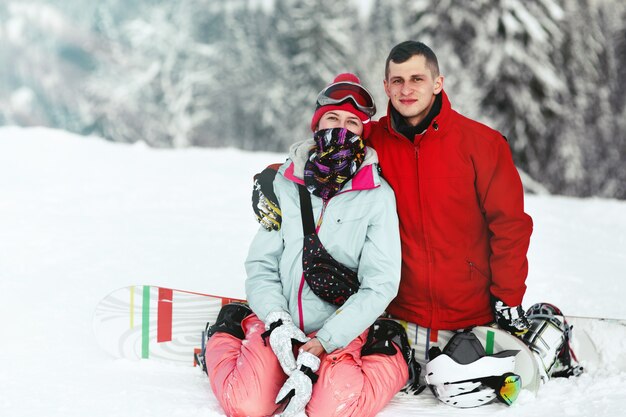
x=308 y=223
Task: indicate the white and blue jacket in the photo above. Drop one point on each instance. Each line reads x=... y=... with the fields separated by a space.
x=359 y=228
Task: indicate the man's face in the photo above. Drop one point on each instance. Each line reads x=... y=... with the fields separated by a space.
x=411 y=88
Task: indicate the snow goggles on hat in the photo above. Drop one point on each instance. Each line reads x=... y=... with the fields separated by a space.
x=344 y=91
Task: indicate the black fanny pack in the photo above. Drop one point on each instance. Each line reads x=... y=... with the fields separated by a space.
x=328 y=279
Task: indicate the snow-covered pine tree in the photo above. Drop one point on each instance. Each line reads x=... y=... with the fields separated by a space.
x=546 y=73
x=388 y=24
x=153 y=75
x=252 y=82
x=269 y=91
x=49 y=56
x=620 y=145
x=589 y=156
x=505 y=52
x=318 y=39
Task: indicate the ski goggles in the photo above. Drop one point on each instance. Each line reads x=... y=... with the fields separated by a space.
x=507 y=387
x=504 y=388
x=344 y=91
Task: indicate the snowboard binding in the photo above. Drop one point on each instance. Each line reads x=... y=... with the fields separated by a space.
x=549 y=338
x=387 y=337
x=228 y=321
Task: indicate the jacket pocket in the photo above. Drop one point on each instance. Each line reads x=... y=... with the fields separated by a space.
x=344 y=236
x=476 y=272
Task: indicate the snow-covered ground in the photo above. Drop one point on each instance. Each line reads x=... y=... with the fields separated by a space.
x=80 y=217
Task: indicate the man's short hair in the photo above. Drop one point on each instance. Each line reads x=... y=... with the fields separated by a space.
x=404 y=51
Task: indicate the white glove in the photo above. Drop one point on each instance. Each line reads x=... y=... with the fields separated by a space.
x=281 y=338
x=300 y=383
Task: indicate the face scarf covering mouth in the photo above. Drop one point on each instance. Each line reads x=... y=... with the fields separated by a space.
x=337 y=155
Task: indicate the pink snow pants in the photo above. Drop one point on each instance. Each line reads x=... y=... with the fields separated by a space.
x=246 y=377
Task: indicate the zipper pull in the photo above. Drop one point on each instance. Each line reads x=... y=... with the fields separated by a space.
x=319 y=221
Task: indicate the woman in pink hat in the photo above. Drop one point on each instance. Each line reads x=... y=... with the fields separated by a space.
x=310 y=339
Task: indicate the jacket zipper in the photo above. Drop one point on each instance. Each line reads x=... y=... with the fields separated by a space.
x=431 y=287
x=300 y=310
x=318 y=224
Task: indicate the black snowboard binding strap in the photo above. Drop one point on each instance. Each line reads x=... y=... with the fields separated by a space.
x=387 y=337
x=228 y=321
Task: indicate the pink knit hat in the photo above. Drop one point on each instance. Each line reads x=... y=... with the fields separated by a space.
x=347 y=104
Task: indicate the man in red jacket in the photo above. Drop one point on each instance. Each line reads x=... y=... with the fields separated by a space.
x=459 y=199
x=460 y=202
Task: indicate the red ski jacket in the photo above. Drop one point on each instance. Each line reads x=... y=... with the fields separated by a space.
x=464 y=232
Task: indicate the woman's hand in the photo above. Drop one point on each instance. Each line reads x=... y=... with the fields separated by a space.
x=313 y=346
x=282 y=332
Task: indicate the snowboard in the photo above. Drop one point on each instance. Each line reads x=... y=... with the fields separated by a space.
x=150 y=322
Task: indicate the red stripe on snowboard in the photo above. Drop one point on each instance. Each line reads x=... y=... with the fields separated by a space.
x=164 y=315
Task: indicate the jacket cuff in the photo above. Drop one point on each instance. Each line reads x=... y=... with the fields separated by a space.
x=326 y=340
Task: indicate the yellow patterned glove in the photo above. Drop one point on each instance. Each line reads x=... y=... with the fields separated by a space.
x=264 y=201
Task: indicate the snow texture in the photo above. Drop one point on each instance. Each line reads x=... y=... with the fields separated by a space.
x=80 y=217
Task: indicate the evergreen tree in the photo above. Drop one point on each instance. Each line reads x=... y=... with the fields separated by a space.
x=589 y=155
x=49 y=63
x=620 y=57
x=269 y=92
x=387 y=25
x=521 y=81
x=458 y=33
x=156 y=75
x=546 y=73
x=318 y=39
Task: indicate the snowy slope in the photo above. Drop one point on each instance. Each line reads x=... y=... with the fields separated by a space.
x=81 y=216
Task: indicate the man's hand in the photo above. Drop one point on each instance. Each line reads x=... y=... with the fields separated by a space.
x=282 y=332
x=511 y=319
x=264 y=200
x=299 y=386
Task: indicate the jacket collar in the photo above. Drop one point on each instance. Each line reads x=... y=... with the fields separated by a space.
x=405 y=129
x=437 y=124
x=365 y=178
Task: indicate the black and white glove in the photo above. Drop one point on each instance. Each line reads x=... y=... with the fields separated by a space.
x=282 y=332
x=299 y=386
x=264 y=200
x=511 y=319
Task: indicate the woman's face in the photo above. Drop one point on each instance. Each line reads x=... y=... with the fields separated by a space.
x=343 y=119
